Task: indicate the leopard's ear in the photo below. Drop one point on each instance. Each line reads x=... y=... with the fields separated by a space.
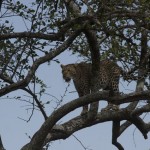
x=62 y=66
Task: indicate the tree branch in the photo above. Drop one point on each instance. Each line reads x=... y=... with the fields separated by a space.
x=23 y=83
x=40 y=136
x=59 y=36
x=10 y=81
x=115 y=134
x=1 y=144
x=140 y=124
x=63 y=131
x=137 y=121
x=53 y=36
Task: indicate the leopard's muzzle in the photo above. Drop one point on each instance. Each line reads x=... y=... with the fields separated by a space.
x=67 y=79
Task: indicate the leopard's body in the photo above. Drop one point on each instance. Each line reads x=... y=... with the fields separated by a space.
x=81 y=73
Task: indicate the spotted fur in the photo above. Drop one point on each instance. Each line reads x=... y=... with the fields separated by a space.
x=81 y=74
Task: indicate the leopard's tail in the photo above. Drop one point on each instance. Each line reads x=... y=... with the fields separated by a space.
x=132 y=75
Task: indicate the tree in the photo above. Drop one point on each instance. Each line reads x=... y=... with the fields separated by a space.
x=95 y=30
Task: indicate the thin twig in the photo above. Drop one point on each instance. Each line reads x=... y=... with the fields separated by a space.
x=85 y=148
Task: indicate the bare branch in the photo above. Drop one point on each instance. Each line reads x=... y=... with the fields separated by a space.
x=23 y=83
x=79 y=122
x=124 y=126
x=115 y=134
x=53 y=36
x=63 y=131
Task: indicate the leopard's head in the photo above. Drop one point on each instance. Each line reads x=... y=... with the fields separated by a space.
x=68 y=72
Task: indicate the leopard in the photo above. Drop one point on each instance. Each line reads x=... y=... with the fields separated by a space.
x=81 y=74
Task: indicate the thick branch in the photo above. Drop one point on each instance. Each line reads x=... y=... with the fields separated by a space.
x=115 y=134
x=1 y=1
x=10 y=81
x=124 y=126
x=39 y=138
x=23 y=83
x=95 y=57
x=142 y=67
x=141 y=110
x=54 y=36
x=132 y=97
x=63 y=131
x=94 y=48
x=140 y=124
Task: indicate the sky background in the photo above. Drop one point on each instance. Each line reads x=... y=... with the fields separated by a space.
x=15 y=131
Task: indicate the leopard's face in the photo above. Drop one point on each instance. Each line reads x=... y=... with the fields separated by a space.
x=68 y=72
